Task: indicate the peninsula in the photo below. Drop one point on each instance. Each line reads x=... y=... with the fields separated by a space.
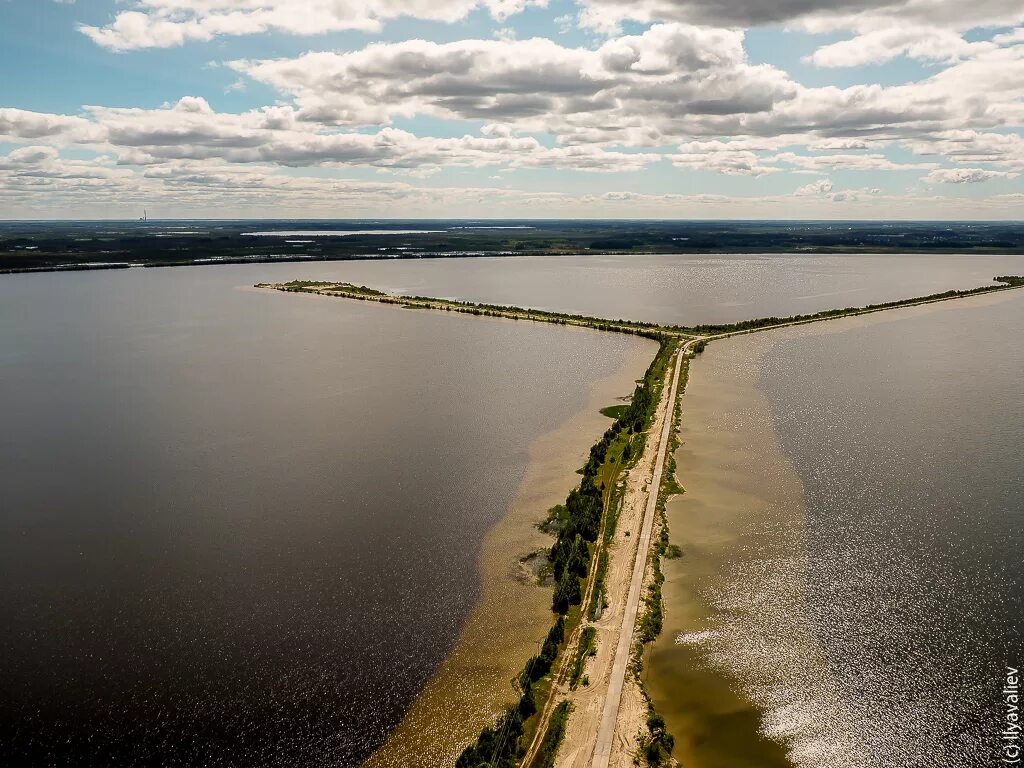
x=582 y=701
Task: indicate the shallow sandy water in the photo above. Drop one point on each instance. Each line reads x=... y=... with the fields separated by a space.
x=740 y=673
x=513 y=615
x=736 y=481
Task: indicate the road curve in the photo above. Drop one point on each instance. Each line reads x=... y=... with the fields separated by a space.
x=609 y=715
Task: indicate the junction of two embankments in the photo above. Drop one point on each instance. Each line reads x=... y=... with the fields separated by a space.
x=610 y=710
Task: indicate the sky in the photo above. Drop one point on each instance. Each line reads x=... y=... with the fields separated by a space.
x=689 y=109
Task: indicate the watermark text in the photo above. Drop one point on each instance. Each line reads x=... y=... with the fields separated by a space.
x=1009 y=744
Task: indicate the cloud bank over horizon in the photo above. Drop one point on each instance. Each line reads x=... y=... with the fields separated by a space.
x=404 y=108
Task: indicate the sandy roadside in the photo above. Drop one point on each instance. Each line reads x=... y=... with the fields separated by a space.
x=588 y=701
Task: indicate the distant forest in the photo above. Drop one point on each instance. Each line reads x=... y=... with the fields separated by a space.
x=29 y=246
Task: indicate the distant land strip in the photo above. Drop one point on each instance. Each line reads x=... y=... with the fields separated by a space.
x=68 y=245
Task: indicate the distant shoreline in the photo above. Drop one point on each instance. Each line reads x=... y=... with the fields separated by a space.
x=237 y=260
x=45 y=246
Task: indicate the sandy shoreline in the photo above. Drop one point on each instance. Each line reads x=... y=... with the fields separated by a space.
x=512 y=615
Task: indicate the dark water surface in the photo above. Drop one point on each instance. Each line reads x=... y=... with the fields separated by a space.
x=240 y=528
x=908 y=437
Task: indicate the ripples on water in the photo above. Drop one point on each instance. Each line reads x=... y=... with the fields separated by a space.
x=876 y=635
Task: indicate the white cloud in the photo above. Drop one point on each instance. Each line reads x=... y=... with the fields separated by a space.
x=1009 y=38
x=192 y=130
x=166 y=23
x=815 y=188
x=27 y=157
x=35 y=181
x=815 y=14
x=930 y=30
x=966 y=175
x=35 y=170
x=740 y=157
x=676 y=94
x=838 y=145
x=636 y=87
x=968 y=146
x=20 y=124
x=673 y=83
x=881 y=45
x=862 y=162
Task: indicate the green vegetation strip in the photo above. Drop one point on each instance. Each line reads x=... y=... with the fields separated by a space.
x=362 y=293
x=614 y=411
x=1005 y=281
x=656 y=745
x=586 y=648
x=577 y=524
x=634 y=327
x=598 y=599
x=553 y=738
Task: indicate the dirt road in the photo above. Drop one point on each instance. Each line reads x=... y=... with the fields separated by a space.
x=608 y=712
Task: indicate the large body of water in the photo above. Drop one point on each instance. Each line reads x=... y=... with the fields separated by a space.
x=908 y=435
x=241 y=528
x=855 y=566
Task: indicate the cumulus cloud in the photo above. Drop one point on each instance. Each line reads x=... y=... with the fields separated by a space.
x=36 y=170
x=166 y=23
x=756 y=157
x=966 y=175
x=636 y=86
x=27 y=157
x=815 y=188
x=968 y=146
x=930 y=30
x=677 y=93
x=673 y=82
x=191 y=130
x=1009 y=38
x=740 y=157
x=881 y=45
x=816 y=14
x=35 y=181
x=838 y=144
x=863 y=162
x=20 y=124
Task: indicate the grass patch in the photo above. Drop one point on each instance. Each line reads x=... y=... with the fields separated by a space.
x=586 y=648
x=673 y=552
x=614 y=411
x=553 y=738
x=553 y=521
